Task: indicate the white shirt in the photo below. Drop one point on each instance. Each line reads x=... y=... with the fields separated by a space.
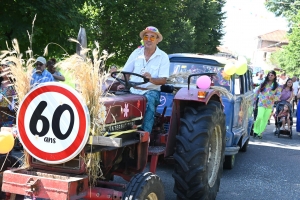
x=282 y=81
x=295 y=87
x=158 y=66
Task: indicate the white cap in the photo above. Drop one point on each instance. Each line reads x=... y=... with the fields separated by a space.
x=41 y=59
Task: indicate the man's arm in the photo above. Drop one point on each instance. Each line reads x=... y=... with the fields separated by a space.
x=158 y=81
x=58 y=76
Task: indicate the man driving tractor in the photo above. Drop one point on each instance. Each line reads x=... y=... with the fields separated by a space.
x=152 y=63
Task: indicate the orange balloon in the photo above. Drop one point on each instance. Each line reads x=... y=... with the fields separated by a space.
x=6 y=142
x=225 y=76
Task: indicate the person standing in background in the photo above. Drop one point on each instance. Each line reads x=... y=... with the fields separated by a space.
x=295 y=90
x=298 y=114
x=268 y=92
x=52 y=69
x=282 y=79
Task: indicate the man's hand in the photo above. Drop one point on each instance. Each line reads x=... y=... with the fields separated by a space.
x=120 y=87
x=147 y=75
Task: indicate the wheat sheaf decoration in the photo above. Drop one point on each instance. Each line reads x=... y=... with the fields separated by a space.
x=19 y=72
x=89 y=75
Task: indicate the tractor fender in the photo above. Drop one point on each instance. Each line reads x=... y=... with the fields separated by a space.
x=191 y=94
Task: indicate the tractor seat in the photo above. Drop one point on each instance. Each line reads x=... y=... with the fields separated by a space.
x=167 y=88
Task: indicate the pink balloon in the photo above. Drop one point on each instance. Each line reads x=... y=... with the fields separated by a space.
x=203 y=82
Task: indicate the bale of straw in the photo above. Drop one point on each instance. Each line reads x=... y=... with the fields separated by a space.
x=89 y=77
x=19 y=73
x=223 y=91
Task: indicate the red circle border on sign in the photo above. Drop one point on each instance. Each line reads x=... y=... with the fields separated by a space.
x=62 y=155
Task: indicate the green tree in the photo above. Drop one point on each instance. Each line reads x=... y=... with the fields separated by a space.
x=55 y=21
x=187 y=26
x=209 y=27
x=116 y=24
x=285 y=8
x=289 y=58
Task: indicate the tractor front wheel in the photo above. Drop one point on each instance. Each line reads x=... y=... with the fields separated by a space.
x=145 y=186
x=200 y=152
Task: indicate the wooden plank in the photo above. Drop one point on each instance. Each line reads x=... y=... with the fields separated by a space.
x=9 y=129
x=105 y=141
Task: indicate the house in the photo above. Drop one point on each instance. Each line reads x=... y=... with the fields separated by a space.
x=266 y=45
x=224 y=52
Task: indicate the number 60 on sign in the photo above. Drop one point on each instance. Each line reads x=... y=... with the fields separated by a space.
x=53 y=123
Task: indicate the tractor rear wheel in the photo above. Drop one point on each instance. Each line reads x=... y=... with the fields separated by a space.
x=144 y=186
x=199 y=152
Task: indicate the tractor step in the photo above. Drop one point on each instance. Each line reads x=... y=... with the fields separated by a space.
x=154 y=152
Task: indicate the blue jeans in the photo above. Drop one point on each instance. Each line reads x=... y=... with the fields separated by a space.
x=153 y=100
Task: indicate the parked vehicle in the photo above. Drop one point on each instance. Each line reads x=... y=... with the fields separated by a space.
x=238 y=103
x=192 y=132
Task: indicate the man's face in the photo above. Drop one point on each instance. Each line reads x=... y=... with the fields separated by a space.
x=40 y=67
x=150 y=40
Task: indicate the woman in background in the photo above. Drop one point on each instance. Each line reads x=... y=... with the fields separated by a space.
x=287 y=91
x=268 y=92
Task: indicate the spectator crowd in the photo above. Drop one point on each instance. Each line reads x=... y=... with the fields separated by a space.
x=270 y=90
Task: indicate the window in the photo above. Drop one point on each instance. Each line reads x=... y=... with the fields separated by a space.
x=239 y=84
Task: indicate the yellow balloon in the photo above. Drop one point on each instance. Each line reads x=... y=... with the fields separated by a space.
x=229 y=68
x=6 y=142
x=241 y=68
x=226 y=76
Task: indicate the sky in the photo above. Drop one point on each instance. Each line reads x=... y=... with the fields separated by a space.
x=246 y=20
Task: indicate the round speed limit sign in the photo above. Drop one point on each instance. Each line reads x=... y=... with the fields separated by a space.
x=53 y=123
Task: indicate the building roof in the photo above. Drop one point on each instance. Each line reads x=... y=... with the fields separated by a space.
x=275 y=36
x=224 y=50
x=269 y=49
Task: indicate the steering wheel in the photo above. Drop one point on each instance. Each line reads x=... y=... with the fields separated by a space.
x=126 y=82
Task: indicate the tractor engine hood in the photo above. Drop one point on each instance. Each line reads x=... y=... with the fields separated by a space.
x=123 y=110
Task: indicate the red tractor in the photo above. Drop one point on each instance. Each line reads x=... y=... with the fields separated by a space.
x=193 y=136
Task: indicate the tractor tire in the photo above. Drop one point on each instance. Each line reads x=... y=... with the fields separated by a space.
x=199 y=152
x=244 y=148
x=8 y=162
x=144 y=186
x=229 y=162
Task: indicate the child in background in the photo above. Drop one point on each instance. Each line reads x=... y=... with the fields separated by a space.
x=284 y=116
x=51 y=68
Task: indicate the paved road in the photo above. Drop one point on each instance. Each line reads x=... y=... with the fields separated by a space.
x=268 y=170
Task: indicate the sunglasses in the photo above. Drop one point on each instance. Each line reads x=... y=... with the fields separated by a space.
x=152 y=38
x=39 y=64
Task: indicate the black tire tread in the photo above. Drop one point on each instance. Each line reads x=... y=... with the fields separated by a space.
x=244 y=148
x=190 y=163
x=141 y=182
